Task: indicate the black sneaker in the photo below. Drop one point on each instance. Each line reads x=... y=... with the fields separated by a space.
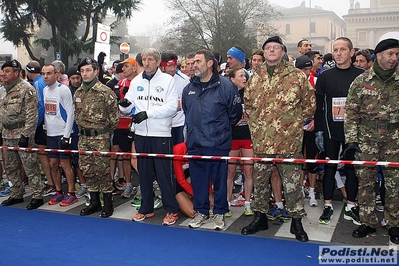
x=352 y=214
x=327 y=215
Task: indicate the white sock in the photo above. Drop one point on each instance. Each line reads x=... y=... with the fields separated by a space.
x=247 y=203
x=329 y=204
x=280 y=205
x=311 y=190
x=350 y=206
x=83 y=185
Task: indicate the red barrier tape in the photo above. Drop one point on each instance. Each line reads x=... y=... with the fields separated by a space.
x=181 y=157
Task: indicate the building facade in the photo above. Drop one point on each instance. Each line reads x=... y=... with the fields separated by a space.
x=319 y=26
x=366 y=26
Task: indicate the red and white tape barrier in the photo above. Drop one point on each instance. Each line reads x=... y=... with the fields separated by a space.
x=180 y=157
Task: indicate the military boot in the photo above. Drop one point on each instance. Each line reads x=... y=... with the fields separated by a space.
x=259 y=223
x=297 y=230
x=108 y=208
x=94 y=206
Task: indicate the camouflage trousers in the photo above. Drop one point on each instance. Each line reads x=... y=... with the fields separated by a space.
x=95 y=168
x=290 y=174
x=15 y=162
x=378 y=151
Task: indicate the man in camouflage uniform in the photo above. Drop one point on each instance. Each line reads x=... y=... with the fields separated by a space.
x=372 y=133
x=278 y=100
x=96 y=112
x=18 y=125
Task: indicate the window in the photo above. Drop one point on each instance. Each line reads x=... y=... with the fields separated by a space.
x=362 y=36
x=312 y=26
x=287 y=29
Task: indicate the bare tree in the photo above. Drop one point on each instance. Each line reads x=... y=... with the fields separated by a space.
x=218 y=24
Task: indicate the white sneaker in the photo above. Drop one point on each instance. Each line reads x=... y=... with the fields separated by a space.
x=247 y=209
x=238 y=181
x=198 y=220
x=218 y=222
x=313 y=202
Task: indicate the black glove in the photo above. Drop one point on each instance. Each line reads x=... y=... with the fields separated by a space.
x=125 y=89
x=23 y=141
x=139 y=117
x=65 y=142
x=350 y=150
x=124 y=102
x=100 y=58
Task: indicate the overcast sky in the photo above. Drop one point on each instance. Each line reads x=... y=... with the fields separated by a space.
x=154 y=13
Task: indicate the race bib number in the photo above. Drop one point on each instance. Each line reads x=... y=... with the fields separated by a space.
x=338 y=109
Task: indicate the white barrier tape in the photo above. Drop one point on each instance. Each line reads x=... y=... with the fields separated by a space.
x=206 y=157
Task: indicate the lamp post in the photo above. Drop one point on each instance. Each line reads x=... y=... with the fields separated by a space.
x=310 y=21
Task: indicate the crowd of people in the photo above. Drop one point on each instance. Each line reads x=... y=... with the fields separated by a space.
x=271 y=105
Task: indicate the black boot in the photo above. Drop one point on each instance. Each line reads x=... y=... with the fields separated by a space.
x=108 y=208
x=95 y=204
x=394 y=234
x=363 y=231
x=297 y=230
x=259 y=223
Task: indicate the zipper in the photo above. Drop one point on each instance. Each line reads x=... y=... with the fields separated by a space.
x=148 y=104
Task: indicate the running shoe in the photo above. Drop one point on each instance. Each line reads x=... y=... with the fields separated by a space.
x=274 y=213
x=327 y=215
x=155 y=185
x=218 y=222
x=170 y=218
x=49 y=191
x=129 y=191
x=379 y=207
x=238 y=181
x=81 y=192
x=198 y=220
x=247 y=209
x=352 y=214
x=57 y=198
x=313 y=201
x=383 y=223
x=138 y=217
x=120 y=184
x=238 y=200
x=157 y=202
x=5 y=192
x=228 y=214
x=136 y=202
x=69 y=199
x=285 y=217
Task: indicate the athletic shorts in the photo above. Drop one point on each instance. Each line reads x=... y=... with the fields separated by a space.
x=120 y=139
x=55 y=143
x=40 y=135
x=237 y=144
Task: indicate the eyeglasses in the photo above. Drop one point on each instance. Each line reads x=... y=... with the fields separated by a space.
x=275 y=47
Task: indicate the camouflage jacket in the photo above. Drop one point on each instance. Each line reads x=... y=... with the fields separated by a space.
x=19 y=111
x=97 y=109
x=277 y=107
x=371 y=99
